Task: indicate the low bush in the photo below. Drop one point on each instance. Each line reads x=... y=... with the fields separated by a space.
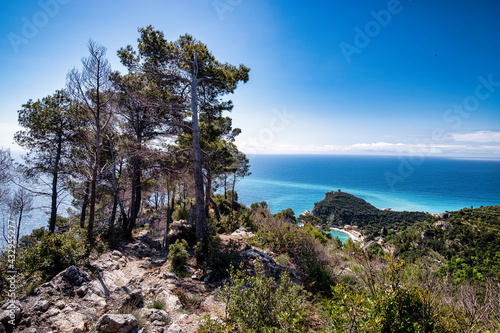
x=188 y=300
x=225 y=225
x=181 y=213
x=388 y=305
x=221 y=258
x=178 y=256
x=303 y=246
x=50 y=253
x=260 y=304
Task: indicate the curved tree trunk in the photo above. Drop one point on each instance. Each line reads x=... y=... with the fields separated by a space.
x=216 y=208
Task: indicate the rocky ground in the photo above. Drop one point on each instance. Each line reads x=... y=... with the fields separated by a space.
x=129 y=289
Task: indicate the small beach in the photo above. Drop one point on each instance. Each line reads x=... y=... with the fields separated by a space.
x=343 y=235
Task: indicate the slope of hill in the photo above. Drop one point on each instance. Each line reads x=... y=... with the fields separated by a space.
x=342 y=208
x=466 y=243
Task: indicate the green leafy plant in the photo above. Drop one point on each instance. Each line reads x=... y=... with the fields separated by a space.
x=158 y=303
x=178 y=256
x=394 y=306
x=283 y=259
x=260 y=304
x=51 y=253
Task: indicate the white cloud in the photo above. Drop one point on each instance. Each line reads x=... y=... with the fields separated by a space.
x=377 y=148
x=477 y=137
x=7 y=132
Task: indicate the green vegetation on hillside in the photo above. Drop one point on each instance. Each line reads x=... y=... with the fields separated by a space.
x=340 y=208
x=467 y=243
x=351 y=290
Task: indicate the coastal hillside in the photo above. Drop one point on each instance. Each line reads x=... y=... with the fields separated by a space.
x=465 y=244
x=342 y=205
x=262 y=274
x=340 y=208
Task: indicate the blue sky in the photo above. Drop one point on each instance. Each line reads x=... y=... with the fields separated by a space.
x=331 y=77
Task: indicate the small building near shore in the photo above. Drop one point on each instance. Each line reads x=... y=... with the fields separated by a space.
x=351 y=227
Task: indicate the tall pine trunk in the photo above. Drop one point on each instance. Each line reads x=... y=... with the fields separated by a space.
x=136 y=196
x=84 y=205
x=208 y=192
x=123 y=214
x=199 y=205
x=55 y=174
x=93 y=194
x=113 y=216
x=95 y=170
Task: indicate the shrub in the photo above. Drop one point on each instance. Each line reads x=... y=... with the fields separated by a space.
x=223 y=203
x=53 y=252
x=283 y=259
x=387 y=307
x=348 y=310
x=187 y=299
x=260 y=304
x=317 y=233
x=225 y=225
x=181 y=213
x=405 y=309
x=287 y=214
x=221 y=258
x=178 y=255
x=311 y=257
x=209 y=325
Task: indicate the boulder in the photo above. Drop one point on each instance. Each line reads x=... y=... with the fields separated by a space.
x=172 y=303
x=140 y=250
x=60 y=305
x=74 y=276
x=41 y=306
x=443 y=225
x=95 y=300
x=170 y=276
x=243 y=233
x=253 y=254
x=108 y=262
x=127 y=296
x=154 y=315
x=52 y=312
x=153 y=244
x=70 y=322
x=182 y=230
x=116 y=323
x=174 y=328
x=66 y=282
x=11 y=311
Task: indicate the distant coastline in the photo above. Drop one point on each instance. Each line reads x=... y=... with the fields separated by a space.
x=436 y=185
x=345 y=232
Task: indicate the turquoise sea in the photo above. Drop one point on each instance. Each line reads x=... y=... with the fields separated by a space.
x=343 y=236
x=400 y=183
x=427 y=184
